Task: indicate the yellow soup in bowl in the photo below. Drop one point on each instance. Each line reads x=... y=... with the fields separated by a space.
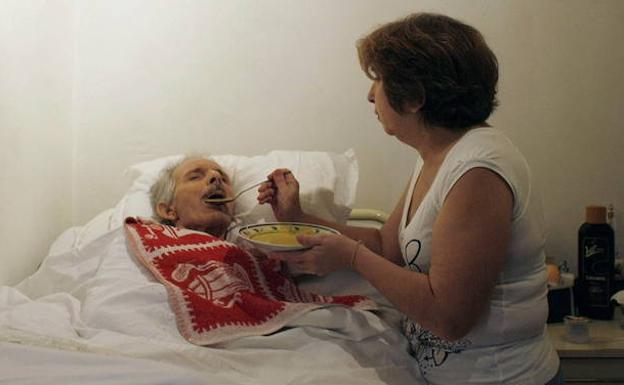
x=280 y=236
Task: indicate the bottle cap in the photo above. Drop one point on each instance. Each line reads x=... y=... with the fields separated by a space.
x=596 y=214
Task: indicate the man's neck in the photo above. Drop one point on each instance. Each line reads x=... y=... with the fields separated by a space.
x=217 y=231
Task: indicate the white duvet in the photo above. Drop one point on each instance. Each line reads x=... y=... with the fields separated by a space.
x=93 y=315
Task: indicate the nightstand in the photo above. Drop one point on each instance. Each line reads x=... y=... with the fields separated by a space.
x=600 y=361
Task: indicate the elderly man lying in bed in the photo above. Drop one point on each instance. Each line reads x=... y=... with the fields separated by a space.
x=217 y=290
x=179 y=196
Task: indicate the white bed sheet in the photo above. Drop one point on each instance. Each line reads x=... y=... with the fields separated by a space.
x=92 y=299
x=28 y=365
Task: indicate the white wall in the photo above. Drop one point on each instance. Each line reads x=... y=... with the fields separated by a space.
x=35 y=131
x=239 y=77
x=562 y=94
x=158 y=77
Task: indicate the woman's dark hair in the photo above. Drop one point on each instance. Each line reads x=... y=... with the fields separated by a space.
x=437 y=62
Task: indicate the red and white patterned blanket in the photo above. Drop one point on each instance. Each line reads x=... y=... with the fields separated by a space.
x=219 y=291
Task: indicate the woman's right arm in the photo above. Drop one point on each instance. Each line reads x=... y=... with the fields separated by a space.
x=282 y=192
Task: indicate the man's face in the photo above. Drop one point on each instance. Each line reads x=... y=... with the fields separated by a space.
x=197 y=180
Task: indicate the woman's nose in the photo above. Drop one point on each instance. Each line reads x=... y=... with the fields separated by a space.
x=371 y=94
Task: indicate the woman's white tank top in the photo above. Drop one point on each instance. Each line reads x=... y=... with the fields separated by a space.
x=509 y=345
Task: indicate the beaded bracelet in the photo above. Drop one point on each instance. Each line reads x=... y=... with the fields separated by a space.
x=355 y=250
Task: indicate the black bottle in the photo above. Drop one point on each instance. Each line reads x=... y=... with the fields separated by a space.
x=596 y=264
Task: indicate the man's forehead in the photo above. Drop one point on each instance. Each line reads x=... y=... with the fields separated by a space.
x=195 y=164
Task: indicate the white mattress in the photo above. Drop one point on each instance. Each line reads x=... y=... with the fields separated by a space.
x=93 y=315
x=26 y=365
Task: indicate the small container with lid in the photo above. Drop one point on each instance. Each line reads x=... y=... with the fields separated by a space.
x=577 y=329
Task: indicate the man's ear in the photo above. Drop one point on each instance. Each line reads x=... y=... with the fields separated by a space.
x=166 y=211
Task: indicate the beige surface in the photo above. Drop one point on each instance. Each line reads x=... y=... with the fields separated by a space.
x=606 y=340
x=35 y=131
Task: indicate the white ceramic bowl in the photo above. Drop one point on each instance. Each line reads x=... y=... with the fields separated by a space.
x=280 y=236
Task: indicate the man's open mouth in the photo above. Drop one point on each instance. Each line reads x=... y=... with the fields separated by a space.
x=215 y=195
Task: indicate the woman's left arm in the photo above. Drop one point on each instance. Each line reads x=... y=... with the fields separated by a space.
x=470 y=241
x=471 y=237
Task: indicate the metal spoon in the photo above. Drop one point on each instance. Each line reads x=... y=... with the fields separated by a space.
x=230 y=199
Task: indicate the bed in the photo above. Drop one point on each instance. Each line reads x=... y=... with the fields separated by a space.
x=92 y=314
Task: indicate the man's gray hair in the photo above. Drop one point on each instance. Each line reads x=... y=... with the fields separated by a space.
x=163 y=190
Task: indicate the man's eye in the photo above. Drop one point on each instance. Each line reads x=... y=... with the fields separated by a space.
x=194 y=177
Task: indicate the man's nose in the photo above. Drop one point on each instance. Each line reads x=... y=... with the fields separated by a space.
x=215 y=178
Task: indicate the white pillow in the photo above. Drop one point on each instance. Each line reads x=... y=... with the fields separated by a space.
x=327 y=181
